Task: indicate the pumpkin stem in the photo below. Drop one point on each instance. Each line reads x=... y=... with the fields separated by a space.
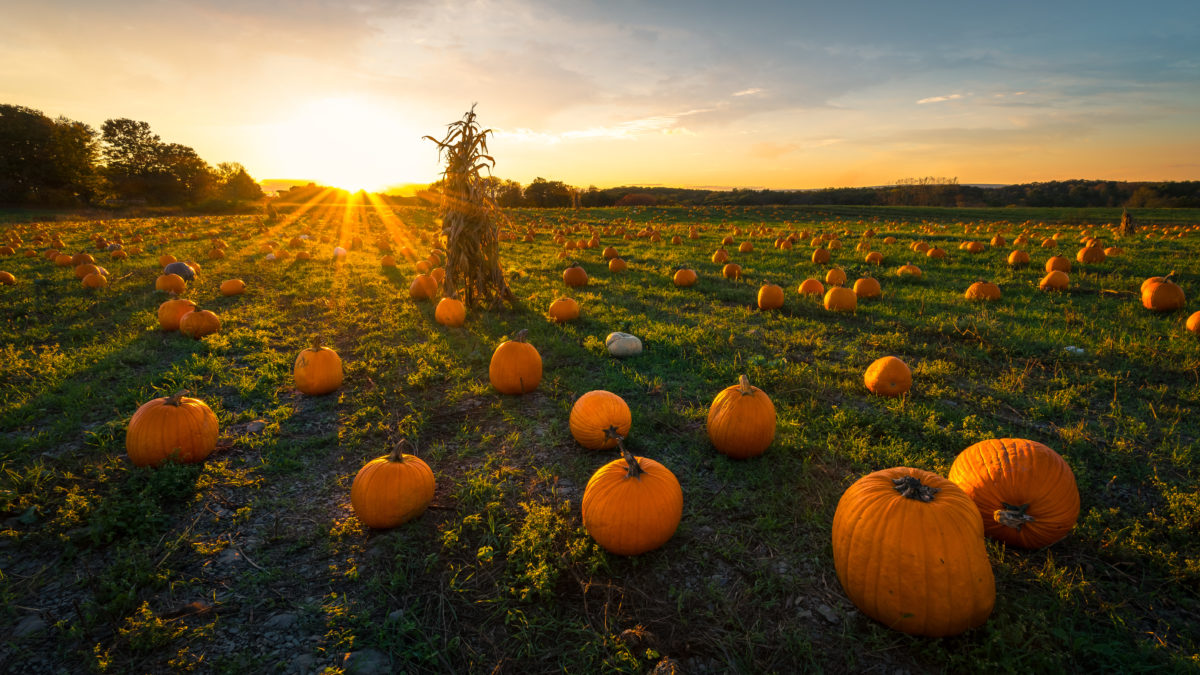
x=176 y=398
x=397 y=453
x=744 y=385
x=612 y=434
x=520 y=335
x=635 y=469
x=316 y=344
x=912 y=488
x=1013 y=516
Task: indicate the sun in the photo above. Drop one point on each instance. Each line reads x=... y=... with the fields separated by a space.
x=352 y=143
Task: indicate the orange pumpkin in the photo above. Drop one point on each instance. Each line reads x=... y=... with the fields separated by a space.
x=171 y=311
x=741 y=421
x=317 y=371
x=599 y=420
x=617 y=265
x=1056 y=280
x=732 y=271
x=170 y=283
x=423 y=287
x=888 y=376
x=232 y=287
x=95 y=280
x=983 y=290
x=841 y=299
x=1018 y=258
x=174 y=426
x=685 y=277
x=564 y=309
x=197 y=324
x=1160 y=294
x=1058 y=264
x=575 y=276
x=811 y=287
x=632 y=505
x=867 y=288
x=450 y=312
x=770 y=296
x=392 y=490
x=516 y=366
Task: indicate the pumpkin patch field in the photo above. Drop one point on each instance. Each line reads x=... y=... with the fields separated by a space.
x=200 y=415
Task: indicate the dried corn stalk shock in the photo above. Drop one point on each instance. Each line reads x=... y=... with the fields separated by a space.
x=469 y=216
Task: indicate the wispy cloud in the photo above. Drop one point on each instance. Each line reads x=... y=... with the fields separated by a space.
x=748 y=92
x=939 y=99
x=668 y=124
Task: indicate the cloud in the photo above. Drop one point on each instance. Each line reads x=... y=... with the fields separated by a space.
x=748 y=92
x=939 y=99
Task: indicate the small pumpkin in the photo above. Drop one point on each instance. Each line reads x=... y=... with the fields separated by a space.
x=599 y=420
x=1055 y=280
x=623 y=344
x=836 y=276
x=811 y=287
x=741 y=420
x=1058 y=264
x=170 y=283
x=564 y=309
x=732 y=271
x=197 y=324
x=821 y=256
x=1024 y=490
x=632 y=505
x=166 y=426
x=231 y=287
x=909 y=270
x=171 y=311
x=867 y=288
x=450 y=312
x=888 y=376
x=1193 y=321
x=7 y=279
x=1018 y=258
x=423 y=287
x=685 y=277
x=317 y=371
x=901 y=538
x=617 y=265
x=720 y=256
x=516 y=366
x=841 y=299
x=770 y=296
x=575 y=276
x=1160 y=294
x=95 y=280
x=1090 y=254
x=982 y=290
x=392 y=490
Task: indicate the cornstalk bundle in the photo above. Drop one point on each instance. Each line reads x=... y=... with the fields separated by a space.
x=468 y=216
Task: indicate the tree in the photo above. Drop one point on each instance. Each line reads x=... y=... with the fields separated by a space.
x=509 y=194
x=542 y=193
x=131 y=156
x=468 y=216
x=181 y=175
x=236 y=184
x=44 y=161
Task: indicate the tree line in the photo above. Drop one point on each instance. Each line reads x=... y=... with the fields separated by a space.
x=543 y=193
x=62 y=162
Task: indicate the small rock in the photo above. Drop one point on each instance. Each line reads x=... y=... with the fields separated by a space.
x=279 y=621
x=827 y=612
x=256 y=427
x=366 y=662
x=28 y=626
x=396 y=615
x=303 y=664
x=228 y=557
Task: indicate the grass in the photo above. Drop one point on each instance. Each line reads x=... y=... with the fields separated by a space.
x=499 y=573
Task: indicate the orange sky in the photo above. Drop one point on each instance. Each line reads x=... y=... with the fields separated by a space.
x=781 y=95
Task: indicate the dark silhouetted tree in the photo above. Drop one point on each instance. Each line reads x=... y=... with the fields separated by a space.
x=44 y=161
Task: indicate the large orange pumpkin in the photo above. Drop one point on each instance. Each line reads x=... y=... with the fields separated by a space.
x=317 y=371
x=982 y=290
x=599 y=420
x=632 y=505
x=1024 y=490
x=841 y=299
x=888 y=376
x=197 y=324
x=516 y=366
x=166 y=426
x=575 y=276
x=867 y=288
x=392 y=490
x=564 y=309
x=450 y=312
x=909 y=551
x=770 y=296
x=231 y=287
x=1160 y=294
x=741 y=420
x=171 y=311
x=685 y=277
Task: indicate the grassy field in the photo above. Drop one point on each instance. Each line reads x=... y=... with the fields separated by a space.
x=254 y=562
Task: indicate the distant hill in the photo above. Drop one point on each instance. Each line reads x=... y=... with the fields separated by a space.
x=274 y=185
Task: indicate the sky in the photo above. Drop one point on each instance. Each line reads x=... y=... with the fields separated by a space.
x=615 y=92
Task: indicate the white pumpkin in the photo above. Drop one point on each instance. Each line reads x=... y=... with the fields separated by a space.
x=339 y=252
x=623 y=344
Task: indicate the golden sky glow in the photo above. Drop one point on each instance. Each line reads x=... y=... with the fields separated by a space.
x=758 y=94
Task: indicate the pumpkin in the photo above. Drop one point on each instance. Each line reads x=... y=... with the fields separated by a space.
x=1090 y=254
x=888 y=376
x=770 y=296
x=1018 y=258
x=575 y=276
x=685 y=277
x=7 y=278
x=170 y=283
x=388 y=261
x=610 y=253
x=1193 y=321
x=632 y=505
x=975 y=247
x=599 y=420
x=1024 y=490
x=745 y=247
x=392 y=490
x=867 y=288
x=811 y=287
x=741 y=421
x=936 y=253
x=423 y=287
x=85 y=269
x=95 y=280
x=983 y=290
x=82 y=259
x=820 y=256
x=564 y=309
x=317 y=371
x=1160 y=294
x=1058 y=264
x=841 y=299
x=623 y=344
x=166 y=426
x=516 y=366
x=63 y=260
x=617 y=265
x=232 y=287
x=184 y=270
x=197 y=324
x=732 y=271
x=720 y=256
x=835 y=277
x=1056 y=280
x=171 y=311
x=874 y=258
x=909 y=270
x=909 y=551
x=450 y=312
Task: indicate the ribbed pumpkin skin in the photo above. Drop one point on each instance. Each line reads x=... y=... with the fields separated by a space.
x=916 y=567
x=594 y=414
x=318 y=370
x=1018 y=472
x=159 y=428
x=450 y=312
x=632 y=515
x=516 y=368
x=172 y=311
x=741 y=421
x=386 y=493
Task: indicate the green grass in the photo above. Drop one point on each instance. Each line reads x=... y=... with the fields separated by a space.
x=500 y=573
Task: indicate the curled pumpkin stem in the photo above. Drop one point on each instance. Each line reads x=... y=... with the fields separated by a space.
x=176 y=398
x=611 y=433
x=635 y=469
x=520 y=335
x=397 y=453
x=1013 y=516
x=912 y=488
x=744 y=385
